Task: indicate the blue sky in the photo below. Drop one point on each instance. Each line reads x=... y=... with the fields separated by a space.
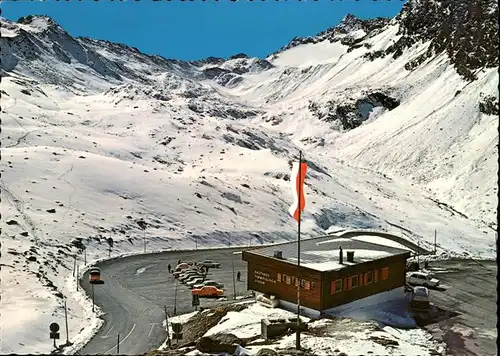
x=194 y=30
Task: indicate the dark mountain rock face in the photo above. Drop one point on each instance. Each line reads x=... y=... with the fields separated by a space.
x=353 y=114
x=467 y=30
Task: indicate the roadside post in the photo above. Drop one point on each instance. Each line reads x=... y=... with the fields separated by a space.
x=77 y=272
x=54 y=332
x=175 y=296
x=418 y=251
x=66 y=318
x=435 y=238
x=110 y=242
x=118 y=345
x=168 y=331
x=196 y=301
x=177 y=332
x=94 y=278
x=234 y=281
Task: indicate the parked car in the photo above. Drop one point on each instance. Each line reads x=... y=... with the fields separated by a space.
x=194 y=281
x=180 y=267
x=207 y=291
x=421 y=279
x=420 y=299
x=269 y=301
x=209 y=264
x=186 y=270
x=210 y=283
x=184 y=277
x=191 y=278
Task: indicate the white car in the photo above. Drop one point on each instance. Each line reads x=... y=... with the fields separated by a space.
x=186 y=277
x=195 y=281
x=420 y=299
x=421 y=279
x=209 y=264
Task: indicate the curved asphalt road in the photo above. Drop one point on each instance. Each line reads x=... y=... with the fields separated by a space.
x=137 y=288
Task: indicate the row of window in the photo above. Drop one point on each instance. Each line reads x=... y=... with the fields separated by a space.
x=355 y=281
x=294 y=281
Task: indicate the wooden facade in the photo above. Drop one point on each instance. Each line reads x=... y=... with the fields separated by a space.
x=271 y=275
x=322 y=290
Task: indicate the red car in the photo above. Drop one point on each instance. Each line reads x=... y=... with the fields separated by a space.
x=207 y=291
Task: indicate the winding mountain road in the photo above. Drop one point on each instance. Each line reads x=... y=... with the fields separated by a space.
x=137 y=288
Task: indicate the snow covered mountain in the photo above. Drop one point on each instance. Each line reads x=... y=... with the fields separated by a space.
x=396 y=117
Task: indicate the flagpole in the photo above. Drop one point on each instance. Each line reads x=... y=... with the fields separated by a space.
x=297 y=339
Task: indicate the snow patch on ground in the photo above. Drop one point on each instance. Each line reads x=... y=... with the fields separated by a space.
x=328 y=337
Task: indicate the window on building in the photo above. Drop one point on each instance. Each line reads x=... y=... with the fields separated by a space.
x=307 y=285
x=278 y=277
x=296 y=282
x=313 y=285
x=385 y=273
x=293 y=280
x=375 y=275
x=286 y=279
x=303 y=283
x=368 y=278
x=336 y=286
x=354 y=283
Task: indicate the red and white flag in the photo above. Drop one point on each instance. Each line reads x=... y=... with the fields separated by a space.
x=297 y=178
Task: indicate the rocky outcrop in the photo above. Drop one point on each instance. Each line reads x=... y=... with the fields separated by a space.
x=489 y=105
x=219 y=343
x=352 y=115
x=349 y=24
x=467 y=30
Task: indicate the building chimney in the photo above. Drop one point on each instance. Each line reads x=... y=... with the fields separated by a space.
x=350 y=256
x=278 y=254
x=341 y=255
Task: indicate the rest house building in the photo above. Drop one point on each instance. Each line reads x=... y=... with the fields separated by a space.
x=336 y=274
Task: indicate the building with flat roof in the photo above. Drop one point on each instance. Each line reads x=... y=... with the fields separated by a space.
x=334 y=271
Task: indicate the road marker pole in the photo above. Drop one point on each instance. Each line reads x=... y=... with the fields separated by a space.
x=234 y=282
x=77 y=272
x=175 y=296
x=418 y=252
x=435 y=236
x=118 y=345
x=66 y=318
x=168 y=331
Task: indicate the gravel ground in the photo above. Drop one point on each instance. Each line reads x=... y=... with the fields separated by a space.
x=470 y=291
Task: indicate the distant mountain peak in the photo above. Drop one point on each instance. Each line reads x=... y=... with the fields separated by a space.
x=349 y=24
x=39 y=21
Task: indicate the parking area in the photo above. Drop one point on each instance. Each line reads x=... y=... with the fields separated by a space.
x=137 y=288
x=468 y=296
x=155 y=278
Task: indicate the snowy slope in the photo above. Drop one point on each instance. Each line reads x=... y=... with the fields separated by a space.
x=98 y=138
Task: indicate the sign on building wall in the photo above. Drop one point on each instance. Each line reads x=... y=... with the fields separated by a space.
x=263 y=278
